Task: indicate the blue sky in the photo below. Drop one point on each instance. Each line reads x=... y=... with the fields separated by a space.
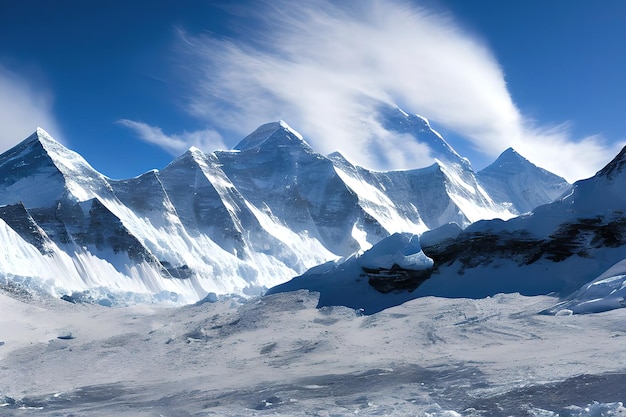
x=130 y=85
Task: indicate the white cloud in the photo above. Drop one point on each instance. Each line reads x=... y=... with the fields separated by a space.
x=23 y=108
x=320 y=66
x=207 y=140
x=554 y=149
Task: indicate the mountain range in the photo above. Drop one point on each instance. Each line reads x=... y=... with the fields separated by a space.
x=574 y=247
x=244 y=220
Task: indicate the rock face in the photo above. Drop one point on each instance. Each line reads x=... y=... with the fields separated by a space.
x=395 y=278
x=557 y=248
x=235 y=221
x=396 y=263
x=19 y=219
x=583 y=238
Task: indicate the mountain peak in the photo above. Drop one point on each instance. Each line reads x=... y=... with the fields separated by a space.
x=338 y=158
x=513 y=179
x=40 y=132
x=510 y=157
x=41 y=136
x=269 y=132
x=615 y=167
x=55 y=149
x=397 y=120
x=511 y=151
x=288 y=128
x=41 y=171
x=193 y=156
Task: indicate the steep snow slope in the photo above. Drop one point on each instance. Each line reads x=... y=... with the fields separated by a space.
x=227 y=222
x=108 y=246
x=40 y=170
x=515 y=180
x=280 y=174
x=430 y=196
x=447 y=191
x=557 y=248
x=211 y=208
x=56 y=272
x=606 y=292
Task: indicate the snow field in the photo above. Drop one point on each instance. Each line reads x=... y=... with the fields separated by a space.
x=279 y=355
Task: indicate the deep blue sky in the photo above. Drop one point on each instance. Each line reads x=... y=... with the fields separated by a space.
x=98 y=62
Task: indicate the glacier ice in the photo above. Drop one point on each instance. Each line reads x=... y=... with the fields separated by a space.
x=235 y=221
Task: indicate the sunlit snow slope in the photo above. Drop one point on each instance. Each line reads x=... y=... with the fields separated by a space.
x=233 y=221
x=514 y=179
x=559 y=248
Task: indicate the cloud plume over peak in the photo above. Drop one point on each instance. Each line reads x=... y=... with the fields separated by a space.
x=23 y=108
x=326 y=67
x=178 y=143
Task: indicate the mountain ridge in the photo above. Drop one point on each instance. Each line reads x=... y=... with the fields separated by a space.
x=226 y=222
x=574 y=244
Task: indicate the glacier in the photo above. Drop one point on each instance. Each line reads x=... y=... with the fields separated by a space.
x=227 y=222
x=436 y=291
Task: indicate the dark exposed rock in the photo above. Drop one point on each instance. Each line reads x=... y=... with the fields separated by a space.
x=19 y=219
x=396 y=278
x=68 y=298
x=105 y=230
x=615 y=167
x=48 y=219
x=180 y=272
x=479 y=248
x=580 y=237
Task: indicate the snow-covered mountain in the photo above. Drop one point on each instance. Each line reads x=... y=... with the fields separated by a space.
x=227 y=222
x=512 y=178
x=557 y=248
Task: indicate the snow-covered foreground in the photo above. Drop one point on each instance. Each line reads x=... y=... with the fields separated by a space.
x=279 y=355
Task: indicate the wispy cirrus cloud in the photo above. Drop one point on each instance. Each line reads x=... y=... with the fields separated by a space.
x=23 y=108
x=177 y=143
x=322 y=66
x=554 y=148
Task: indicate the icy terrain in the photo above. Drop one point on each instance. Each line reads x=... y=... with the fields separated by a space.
x=235 y=222
x=556 y=249
x=378 y=249
x=607 y=292
x=384 y=276
x=514 y=179
x=279 y=355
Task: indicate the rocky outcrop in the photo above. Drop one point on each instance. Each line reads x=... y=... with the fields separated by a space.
x=396 y=278
x=581 y=237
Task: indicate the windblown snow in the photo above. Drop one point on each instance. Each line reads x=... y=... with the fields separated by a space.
x=235 y=222
x=433 y=292
x=279 y=355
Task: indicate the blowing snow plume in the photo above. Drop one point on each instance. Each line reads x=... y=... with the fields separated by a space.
x=23 y=107
x=326 y=68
